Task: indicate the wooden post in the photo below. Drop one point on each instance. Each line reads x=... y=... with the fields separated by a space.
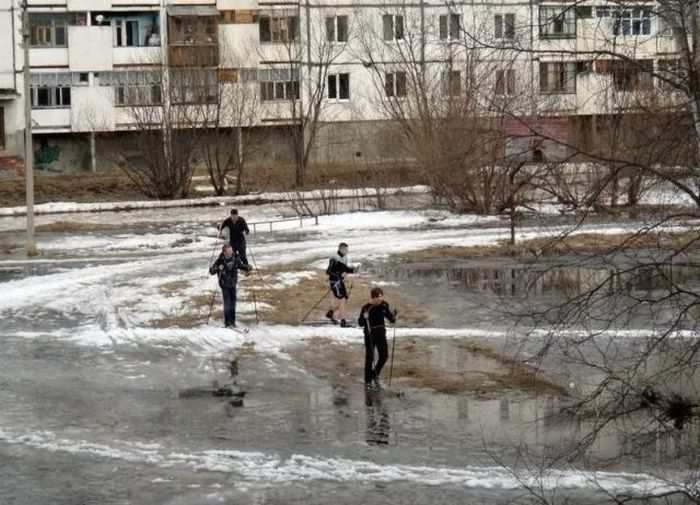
x=28 y=145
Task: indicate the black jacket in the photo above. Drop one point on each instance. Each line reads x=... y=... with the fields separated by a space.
x=373 y=316
x=337 y=267
x=227 y=270
x=237 y=229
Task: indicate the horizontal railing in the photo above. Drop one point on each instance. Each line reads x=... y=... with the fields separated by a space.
x=262 y=224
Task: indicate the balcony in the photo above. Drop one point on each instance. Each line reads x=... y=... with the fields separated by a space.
x=48 y=57
x=135 y=36
x=47 y=120
x=193 y=56
x=193 y=36
x=90 y=48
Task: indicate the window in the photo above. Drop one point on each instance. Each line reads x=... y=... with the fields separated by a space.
x=635 y=21
x=194 y=86
x=671 y=75
x=134 y=87
x=50 y=91
x=632 y=75
x=505 y=82
x=279 y=29
x=286 y=90
x=557 y=77
x=504 y=26
x=627 y=21
x=395 y=84
x=47 y=30
x=449 y=27
x=339 y=86
x=126 y=33
x=279 y=84
x=452 y=82
x=392 y=27
x=337 y=28
x=557 y=22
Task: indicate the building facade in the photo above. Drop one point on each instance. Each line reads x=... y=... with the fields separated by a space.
x=336 y=62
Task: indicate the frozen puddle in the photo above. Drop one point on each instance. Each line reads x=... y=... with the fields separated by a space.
x=272 y=468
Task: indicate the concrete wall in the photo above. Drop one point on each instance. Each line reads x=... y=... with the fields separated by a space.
x=7 y=46
x=14 y=127
x=90 y=48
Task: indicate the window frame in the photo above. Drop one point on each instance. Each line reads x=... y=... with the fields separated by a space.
x=395 y=25
x=394 y=82
x=278 y=29
x=49 y=26
x=337 y=86
x=547 y=19
x=505 y=82
x=449 y=26
x=334 y=34
x=565 y=67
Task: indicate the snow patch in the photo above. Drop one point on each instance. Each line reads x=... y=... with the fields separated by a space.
x=270 y=467
x=69 y=207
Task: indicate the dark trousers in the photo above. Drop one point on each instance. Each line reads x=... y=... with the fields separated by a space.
x=240 y=247
x=375 y=340
x=229 y=295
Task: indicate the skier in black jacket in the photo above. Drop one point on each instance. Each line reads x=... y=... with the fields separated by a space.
x=226 y=267
x=372 y=320
x=237 y=230
x=337 y=269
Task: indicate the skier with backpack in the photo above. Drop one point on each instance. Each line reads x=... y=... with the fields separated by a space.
x=337 y=269
x=373 y=316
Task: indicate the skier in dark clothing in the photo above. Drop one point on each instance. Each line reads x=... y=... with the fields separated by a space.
x=237 y=230
x=372 y=320
x=337 y=269
x=226 y=267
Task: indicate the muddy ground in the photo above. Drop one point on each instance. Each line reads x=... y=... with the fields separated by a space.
x=87 y=188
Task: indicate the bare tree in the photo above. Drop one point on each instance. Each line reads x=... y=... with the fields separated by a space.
x=451 y=102
x=229 y=120
x=295 y=81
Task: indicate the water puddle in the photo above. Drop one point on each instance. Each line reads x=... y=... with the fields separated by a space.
x=494 y=293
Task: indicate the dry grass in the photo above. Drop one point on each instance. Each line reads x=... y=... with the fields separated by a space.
x=173 y=287
x=290 y=304
x=197 y=308
x=581 y=244
x=280 y=176
x=81 y=187
x=71 y=227
x=415 y=367
x=76 y=187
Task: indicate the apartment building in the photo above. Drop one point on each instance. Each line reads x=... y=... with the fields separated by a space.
x=92 y=61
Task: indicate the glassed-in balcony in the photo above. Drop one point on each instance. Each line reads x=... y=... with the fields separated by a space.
x=135 y=36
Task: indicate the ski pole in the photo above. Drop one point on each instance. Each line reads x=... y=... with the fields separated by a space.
x=393 y=349
x=213 y=294
x=255 y=304
x=211 y=305
x=316 y=305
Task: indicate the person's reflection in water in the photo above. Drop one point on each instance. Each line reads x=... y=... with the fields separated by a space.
x=378 y=426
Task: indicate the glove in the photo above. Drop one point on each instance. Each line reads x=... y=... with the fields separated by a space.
x=221 y=267
x=396 y=313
